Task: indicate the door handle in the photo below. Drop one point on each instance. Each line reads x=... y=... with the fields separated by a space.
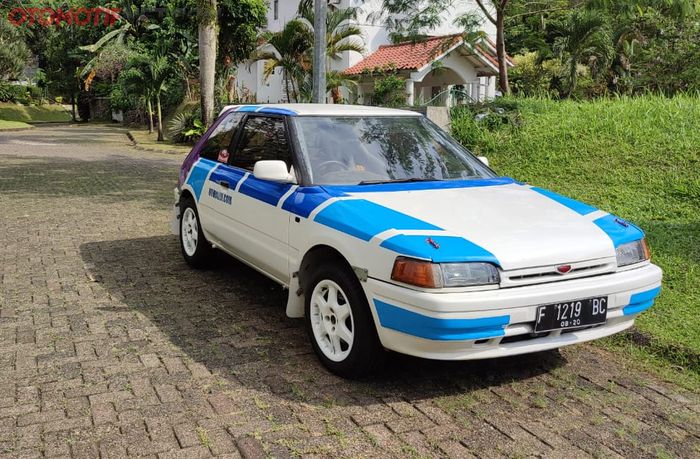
x=224 y=183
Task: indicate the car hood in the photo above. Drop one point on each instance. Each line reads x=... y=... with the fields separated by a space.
x=496 y=220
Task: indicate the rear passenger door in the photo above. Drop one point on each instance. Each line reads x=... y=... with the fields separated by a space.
x=259 y=229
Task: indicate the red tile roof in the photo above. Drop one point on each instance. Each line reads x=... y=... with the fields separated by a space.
x=405 y=56
x=413 y=56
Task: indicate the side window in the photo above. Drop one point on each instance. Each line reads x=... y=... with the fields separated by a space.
x=262 y=138
x=217 y=145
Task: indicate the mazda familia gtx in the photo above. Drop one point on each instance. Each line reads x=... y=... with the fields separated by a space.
x=388 y=234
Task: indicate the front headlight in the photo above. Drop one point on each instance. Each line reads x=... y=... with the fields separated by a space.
x=437 y=275
x=632 y=252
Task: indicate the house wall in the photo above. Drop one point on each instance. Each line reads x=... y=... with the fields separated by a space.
x=374 y=32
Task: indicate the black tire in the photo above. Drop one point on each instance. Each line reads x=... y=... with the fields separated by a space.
x=203 y=253
x=366 y=353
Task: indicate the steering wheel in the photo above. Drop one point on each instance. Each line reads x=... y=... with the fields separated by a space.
x=330 y=166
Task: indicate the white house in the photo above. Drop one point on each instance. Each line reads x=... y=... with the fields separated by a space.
x=431 y=68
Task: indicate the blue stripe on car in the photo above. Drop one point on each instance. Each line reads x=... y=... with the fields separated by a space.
x=412 y=323
x=572 y=204
x=228 y=174
x=248 y=108
x=618 y=230
x=198 y=175
x=641 y=301
x=264 y=190
x=264 y=109
x=365 y=219
x=277 y=111
x=304 y=200
x=450 y=248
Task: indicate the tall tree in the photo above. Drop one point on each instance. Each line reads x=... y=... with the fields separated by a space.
x=589 y=41
x=488 y=7
x=206 y=15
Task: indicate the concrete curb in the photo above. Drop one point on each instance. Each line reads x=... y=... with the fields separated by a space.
x=28 y=128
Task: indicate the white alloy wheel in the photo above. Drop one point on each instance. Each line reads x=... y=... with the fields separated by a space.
x=331 y=320
x=189 y=232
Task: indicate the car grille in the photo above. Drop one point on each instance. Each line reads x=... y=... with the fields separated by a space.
x=543 y=274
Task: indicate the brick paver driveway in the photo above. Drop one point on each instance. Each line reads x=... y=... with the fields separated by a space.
x=111 y=346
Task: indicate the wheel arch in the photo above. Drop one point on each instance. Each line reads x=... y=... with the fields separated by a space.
x=316 y=254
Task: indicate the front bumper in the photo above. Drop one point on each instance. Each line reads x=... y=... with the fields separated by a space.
x=498 y=323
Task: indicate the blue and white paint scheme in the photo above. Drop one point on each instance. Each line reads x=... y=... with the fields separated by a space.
x=525 y=231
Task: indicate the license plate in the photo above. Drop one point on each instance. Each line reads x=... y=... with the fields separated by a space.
x=571 y=314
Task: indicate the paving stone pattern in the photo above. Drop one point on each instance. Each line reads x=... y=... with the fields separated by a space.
x=110 y=346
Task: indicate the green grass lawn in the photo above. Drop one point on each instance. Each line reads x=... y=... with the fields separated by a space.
x=637 y=158
x=13 y=125
x=33 y=114
x=150 y=141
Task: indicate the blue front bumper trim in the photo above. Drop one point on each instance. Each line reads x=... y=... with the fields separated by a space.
x=412 y=323
x=641 y=301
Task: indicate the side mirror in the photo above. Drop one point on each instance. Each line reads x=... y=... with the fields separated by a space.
x=273 y=170
x=483 y=159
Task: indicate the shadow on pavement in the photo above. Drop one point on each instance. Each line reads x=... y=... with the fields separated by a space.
x=231 y=319
x=117 y=179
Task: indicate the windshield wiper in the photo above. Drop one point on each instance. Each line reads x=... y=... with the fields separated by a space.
x=404 y=180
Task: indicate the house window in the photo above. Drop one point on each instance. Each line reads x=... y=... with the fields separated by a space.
x=276 y=9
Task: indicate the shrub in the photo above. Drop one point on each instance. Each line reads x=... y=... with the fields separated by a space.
x=389 y=91
x=186 y=126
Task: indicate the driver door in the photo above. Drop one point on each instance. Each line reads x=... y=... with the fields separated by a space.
x=259 y=228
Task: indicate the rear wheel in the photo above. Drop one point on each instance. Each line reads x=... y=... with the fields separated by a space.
x=196 y=250
x=340 y=324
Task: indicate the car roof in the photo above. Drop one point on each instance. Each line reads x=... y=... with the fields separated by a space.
x=320 y=110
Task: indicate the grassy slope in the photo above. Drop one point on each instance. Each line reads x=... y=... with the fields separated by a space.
x=12 y=125
x=33 y=114
x=637 y=158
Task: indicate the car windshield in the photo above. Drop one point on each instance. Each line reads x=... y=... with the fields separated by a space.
x=365 y=150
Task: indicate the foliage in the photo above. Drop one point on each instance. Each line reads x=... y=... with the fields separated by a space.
x=148 y=77
x=389 y=91
x=14 y=52
x=588 y=41
x=186 y=126
x=19 y=93
x=648 y=146
x=532 y=76
x=239 y=22
x=291 y=50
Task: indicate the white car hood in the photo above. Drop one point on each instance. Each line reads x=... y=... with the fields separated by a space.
x=520 y=226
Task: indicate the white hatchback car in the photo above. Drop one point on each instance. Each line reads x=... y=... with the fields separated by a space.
x=389 y=234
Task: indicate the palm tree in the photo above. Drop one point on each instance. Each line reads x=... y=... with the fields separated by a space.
x=129 y=24
x=287 y=49
x=335 y=80
x=588 y=40
x=341 y=34
x=148 y=76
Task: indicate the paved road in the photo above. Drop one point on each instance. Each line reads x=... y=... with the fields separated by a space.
x=110 y=346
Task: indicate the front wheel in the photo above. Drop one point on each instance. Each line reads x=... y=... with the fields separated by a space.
x=195 y=248
x=340 y=324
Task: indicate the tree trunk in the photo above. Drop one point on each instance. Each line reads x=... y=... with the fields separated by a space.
x=207 y=58
x=160 y=120
x=573 y=76
x=501 y=52
x=149 y=106
x=72 y=106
